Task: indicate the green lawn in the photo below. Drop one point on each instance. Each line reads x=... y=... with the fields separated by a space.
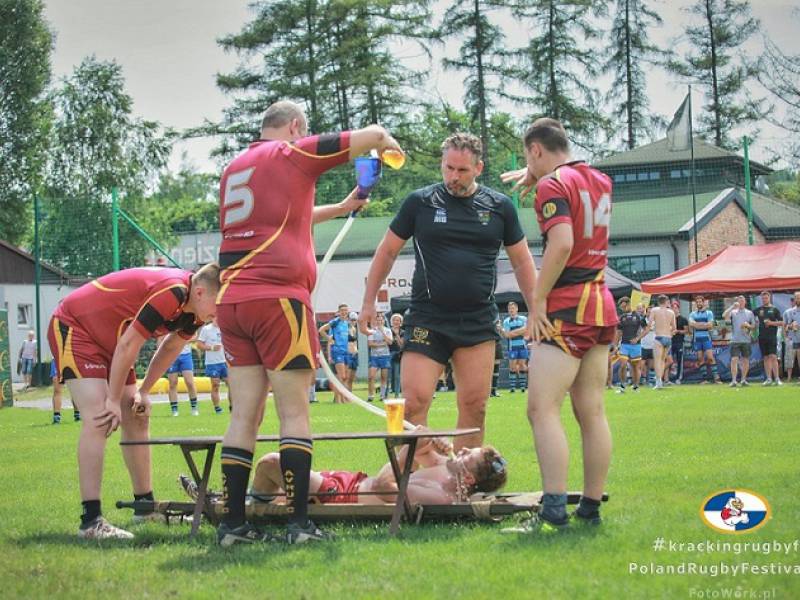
x=671 y=450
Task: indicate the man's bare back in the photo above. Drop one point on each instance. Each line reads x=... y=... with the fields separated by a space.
x=664 y=319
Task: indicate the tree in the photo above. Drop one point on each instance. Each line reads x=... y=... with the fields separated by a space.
x=721 y=27
x=780 y=74
x=330 y=56
x=25 y=46
x=557 y=70
x=186 y=201
x=480 y=56
x=630 y=52
x=96 y=145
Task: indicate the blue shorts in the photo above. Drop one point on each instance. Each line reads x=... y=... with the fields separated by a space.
x=519 y=353
x=352 y=361
x=53 y=370
x=631 y=351
x=380 y=362
x=183 y=363
x=217 y=371
x=339 y=355
x=664 y=340
x=27 y=366
x=701 y=344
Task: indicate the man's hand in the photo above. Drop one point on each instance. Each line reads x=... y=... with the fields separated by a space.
x=522 y=179
x=110 y=417
x=366 y=318
x=539 y=326
x=352 y=203
x=141 y=404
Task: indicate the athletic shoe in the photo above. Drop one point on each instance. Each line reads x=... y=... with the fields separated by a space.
x=369 y=398
x=523 y=390
x=218 y=409
x=718 y=381
x=512 y=390
x=174 y=413
x=243 y=534
x=732 y=384
x=494 y=394
x=575 y=517
x=310 y=533
x=151 y=517
x=636 y=388
x=678 y=382
x=100 y=529
x=621 y=390
x=537 y=525
x=744 y=383
x=767 y=382
x=777 y=382
x=56 y=419
x=189 y=486
x=195 y=412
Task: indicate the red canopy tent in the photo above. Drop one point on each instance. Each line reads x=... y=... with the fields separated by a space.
x=735 y=269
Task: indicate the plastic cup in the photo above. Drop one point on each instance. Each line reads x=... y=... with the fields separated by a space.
x=393 y=158
x=395 y=414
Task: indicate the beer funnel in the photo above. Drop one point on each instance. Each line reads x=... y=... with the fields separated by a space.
x=368 y=172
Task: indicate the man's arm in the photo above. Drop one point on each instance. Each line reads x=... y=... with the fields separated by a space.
x=326 y=212
x=418 y=493
x=373 y=137
x=379 y=269
x=556 y=254
x=122 y=361
x=524 y=269
x=168 y=350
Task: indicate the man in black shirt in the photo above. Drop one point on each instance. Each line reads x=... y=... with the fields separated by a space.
x=769 y=319
x=630 y=330
x=458 y=228
x=678 y=340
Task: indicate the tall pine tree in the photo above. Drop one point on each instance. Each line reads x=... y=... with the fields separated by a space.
x=718 y=30
x=780 y=74
x=630 y=52
x=560 y=63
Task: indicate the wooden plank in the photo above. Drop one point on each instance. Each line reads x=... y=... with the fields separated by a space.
x=202 y=442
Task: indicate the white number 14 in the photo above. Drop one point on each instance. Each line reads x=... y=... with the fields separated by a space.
x=598 y=217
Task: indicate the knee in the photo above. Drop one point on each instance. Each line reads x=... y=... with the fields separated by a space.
x=270 y=461
x=473 y=405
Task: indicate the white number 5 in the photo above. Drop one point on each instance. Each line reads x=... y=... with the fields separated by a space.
x=598 y=217
x=238 y=201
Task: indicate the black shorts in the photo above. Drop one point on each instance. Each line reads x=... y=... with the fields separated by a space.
x=768 y=346
x=647 y=354
x=437 y=336
x=499 y=354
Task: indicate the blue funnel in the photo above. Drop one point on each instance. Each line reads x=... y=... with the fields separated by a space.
x=368 y=172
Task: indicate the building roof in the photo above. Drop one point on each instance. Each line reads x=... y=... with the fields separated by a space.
x=658 y=152
x=47 y=270
x=651 y=218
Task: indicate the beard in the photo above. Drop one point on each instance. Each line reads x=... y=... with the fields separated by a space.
x=458 y=190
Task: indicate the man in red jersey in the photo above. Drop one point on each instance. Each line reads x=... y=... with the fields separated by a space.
x=264 y=304
x=95 y=335
x=572 y=318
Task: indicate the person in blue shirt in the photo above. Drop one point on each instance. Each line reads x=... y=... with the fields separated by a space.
x=514 y=326
x=701 y=322
x=336 y=331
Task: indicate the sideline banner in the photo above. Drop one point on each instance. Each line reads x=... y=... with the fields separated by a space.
x=6 y=398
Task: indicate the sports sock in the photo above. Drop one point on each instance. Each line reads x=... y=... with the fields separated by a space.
x=495 y=377
x=588 y=508
x=236 y=466
x=554 y=508
x=512 y=379
x=76 y=415
x=91 y=510
x=147 y=496
x=296 y=468
x=193 y=403
x=523 y=381
x=173 y=406
x=218 y=409
x=714 y=372
x=57 y=414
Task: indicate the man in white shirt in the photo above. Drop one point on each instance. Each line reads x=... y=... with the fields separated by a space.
x=27 y=356
x=209 y=339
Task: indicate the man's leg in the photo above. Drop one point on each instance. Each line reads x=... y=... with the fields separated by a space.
x=734 y=369
x=268 y=477
x=472 y=369
x=215 y=381
x=188 y=377
x=371 y=382
x=172 y=379
x=57 y=398
x=384 y=384
x=248 y=385
x=745 y=369
x=658 y=363
x=343 y=374
x=419 y=375
x=636 y=366
x=622 y=372
x=552 y=373
x=587 y=403
x=137 y=458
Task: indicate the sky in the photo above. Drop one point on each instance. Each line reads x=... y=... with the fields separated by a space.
x=169 y=56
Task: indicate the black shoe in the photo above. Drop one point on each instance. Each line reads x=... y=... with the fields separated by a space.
x=310 y=533
x=576 y=517
x=243 y=534
x=494 y=394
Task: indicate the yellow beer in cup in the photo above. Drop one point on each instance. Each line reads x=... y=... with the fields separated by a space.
x=393 y=158
x=395 y=413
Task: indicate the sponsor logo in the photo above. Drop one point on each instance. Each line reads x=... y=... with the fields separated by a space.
x=549 y=209
x=484 y=216
x=419 y=335
x=91 y=366
x=440 y=216
x=735 y=511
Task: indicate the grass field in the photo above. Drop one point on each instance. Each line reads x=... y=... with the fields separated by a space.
x=671 y=450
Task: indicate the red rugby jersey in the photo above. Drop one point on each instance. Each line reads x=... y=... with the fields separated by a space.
x=580 y=195
x=266 y=206
x=151 y=300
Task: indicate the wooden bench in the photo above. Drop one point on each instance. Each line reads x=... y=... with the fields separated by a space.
x=401 y=472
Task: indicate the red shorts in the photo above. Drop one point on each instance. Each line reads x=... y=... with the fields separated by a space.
x=77 y=356
x=278 y=333
x=339 y=487
x=577 y=340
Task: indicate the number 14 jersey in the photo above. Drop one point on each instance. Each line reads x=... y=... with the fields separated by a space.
x=580 y=196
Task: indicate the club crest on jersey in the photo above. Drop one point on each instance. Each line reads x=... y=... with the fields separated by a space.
x=739 y=511
x=440 y=216
x=419 y=335
x=549 y=209
x=484 y=216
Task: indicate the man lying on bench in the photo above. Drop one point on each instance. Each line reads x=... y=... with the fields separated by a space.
x=437 y=478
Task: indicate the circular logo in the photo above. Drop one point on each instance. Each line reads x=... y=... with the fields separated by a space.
x=549 y=209
x=735 y=511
